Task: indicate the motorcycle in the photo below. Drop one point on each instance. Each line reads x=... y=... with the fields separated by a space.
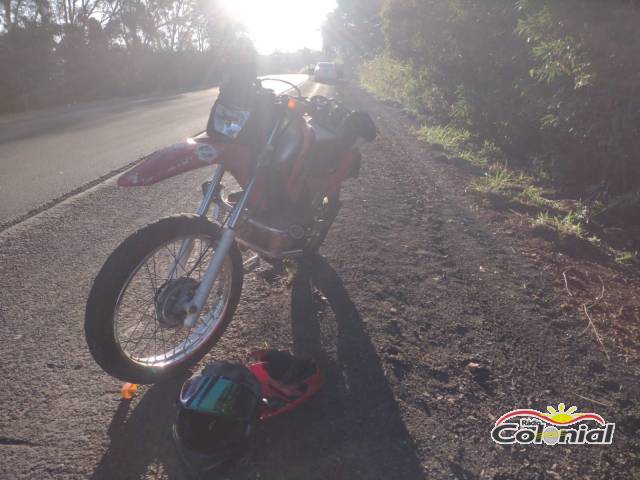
x=165 y=296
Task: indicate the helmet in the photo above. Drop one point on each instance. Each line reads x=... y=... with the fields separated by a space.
x=216 y=418
x=287 y=381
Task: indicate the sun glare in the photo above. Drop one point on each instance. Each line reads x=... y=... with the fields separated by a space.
x=283 y=25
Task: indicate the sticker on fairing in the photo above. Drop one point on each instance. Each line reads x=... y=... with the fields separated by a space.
x=206 y=153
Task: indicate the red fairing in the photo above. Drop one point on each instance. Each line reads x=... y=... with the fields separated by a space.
x=239 y=160
x=295 y=185
x=348 y=167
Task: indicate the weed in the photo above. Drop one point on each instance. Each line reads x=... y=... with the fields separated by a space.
x=499 y=180
x=626 y=258
x=459 y=141
x=451 y=138
x=595 y=240
x=569 y=224
x=533 y=195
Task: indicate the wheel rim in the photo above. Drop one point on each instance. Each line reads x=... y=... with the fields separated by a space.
x=142 y=333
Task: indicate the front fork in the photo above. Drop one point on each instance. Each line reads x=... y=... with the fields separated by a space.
x=187 y=245
x=194 y=306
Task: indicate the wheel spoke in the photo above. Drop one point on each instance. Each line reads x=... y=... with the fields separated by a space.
x=140 y=326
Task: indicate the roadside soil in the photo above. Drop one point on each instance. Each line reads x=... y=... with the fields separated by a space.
x=436 y=316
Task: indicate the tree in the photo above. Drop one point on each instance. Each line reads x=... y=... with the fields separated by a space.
x=73 y=50
x=555 y=84
x=353 y=30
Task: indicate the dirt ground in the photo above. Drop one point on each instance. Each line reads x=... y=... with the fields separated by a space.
x=439 y=315
x=433 y=316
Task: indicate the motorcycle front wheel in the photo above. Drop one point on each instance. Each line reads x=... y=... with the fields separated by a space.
x=133 y=321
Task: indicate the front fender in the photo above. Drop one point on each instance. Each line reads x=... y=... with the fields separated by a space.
x=189 y=155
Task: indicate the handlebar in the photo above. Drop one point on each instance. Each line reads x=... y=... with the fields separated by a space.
x=292 y=85
x=327 y=113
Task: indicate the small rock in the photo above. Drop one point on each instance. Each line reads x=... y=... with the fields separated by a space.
x=393 y=310
x=391 y=350
x=473 y=365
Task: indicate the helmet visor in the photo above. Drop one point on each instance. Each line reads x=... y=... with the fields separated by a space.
x=218 y=396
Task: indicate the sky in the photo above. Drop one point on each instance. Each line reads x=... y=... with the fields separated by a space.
x=284 y=25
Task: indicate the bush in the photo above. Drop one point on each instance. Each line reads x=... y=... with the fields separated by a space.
x=555 y=85
x=392 y=80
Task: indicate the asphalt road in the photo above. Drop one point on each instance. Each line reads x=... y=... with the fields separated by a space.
x=44 y=155
x=61 y=416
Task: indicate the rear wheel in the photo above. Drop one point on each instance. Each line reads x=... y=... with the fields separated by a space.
x=134 y=319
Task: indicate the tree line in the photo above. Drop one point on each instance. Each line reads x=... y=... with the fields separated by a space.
x=64 y=51
x=556 y=85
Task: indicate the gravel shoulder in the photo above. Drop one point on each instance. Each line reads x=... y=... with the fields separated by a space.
x=433 y=317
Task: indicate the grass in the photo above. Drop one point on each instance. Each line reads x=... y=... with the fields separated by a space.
x=459 y=142
x=569 y=224
x=451 y=138
x=626 y=258
x=533 y=195
x=496 y=180
x=390 y=80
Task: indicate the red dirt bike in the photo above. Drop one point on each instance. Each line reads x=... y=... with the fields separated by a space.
x=165 y=296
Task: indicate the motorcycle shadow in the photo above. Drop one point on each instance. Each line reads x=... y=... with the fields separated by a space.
x=353 y=428
x=141 y=445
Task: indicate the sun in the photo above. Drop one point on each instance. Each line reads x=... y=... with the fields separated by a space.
x=561 y=415
x=282 y=25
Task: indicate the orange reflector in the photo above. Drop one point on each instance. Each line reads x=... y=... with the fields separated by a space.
x=292 y=104
x=128 y=390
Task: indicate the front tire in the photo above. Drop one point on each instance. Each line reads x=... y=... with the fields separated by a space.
x=122 y=279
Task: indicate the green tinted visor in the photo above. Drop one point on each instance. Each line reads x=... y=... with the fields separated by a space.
x=218 y=396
